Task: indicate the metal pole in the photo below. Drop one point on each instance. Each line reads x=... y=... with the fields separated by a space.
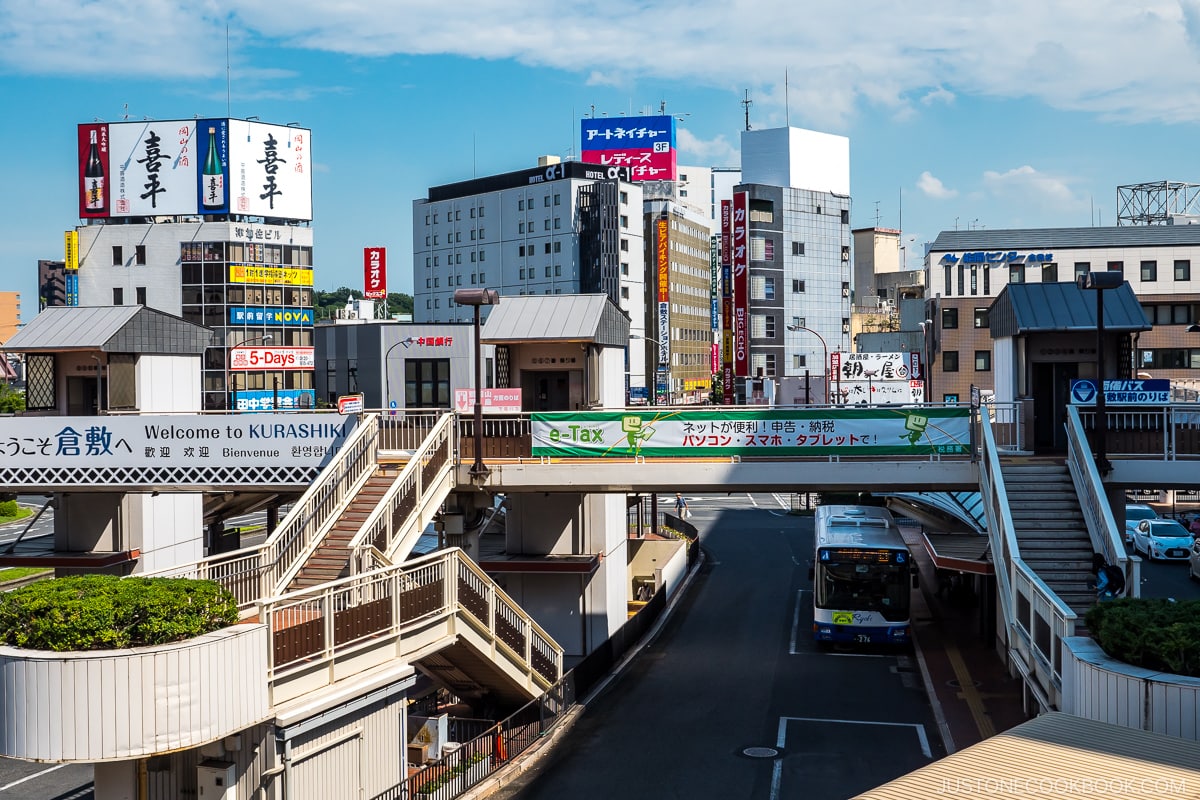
x=478 y=470
x=1101 y=420
x=274 y=392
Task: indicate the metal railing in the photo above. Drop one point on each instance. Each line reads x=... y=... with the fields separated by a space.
x=1106 y=538
x=1036 y=619
x=412 y=499
x=314 y=628
x=1169 y=432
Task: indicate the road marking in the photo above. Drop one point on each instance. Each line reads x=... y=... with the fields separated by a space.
x=781 y=741
x=796 y=620
x=752 y=501
x=968 y=692
x=31 y=777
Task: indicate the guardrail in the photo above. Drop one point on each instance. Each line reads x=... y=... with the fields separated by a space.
x=1037 y=620
x=314 y=628
x=1170 y=432
x=1106 y=538
x=411 y=501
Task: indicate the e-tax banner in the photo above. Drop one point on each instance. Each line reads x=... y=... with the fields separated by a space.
x=875 y=431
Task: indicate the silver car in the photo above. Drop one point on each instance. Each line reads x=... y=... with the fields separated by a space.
x=1162 y=538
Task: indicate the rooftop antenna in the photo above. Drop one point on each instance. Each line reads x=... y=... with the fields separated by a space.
x=901 y=225
x=787 y=111
x=747 y=103
x=876 y=213
x=228 y=105
x=126 y=116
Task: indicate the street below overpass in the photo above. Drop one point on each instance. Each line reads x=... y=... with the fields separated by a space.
x=733 y=699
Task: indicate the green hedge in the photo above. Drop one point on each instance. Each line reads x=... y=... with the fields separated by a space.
x=105 y=612
x=8 y=508
x=1149 y=633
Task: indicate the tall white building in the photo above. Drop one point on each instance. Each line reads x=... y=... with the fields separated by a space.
x=798 y=185
x=561 y=228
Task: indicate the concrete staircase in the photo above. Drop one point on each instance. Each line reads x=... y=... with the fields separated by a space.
x=331 y=559
x=1051 y=532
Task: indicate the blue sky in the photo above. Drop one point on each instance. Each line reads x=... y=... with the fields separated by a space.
x=1025 y=113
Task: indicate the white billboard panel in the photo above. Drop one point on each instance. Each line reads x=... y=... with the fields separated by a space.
x=154 y=168
x=270 y=170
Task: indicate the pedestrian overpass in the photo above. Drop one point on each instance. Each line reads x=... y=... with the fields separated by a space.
x=441 y=610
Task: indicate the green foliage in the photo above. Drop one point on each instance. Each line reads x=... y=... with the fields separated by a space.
x=1150 y=633
x=9 y=508
x=11 y=401
x=105 y=612
x=326 y=304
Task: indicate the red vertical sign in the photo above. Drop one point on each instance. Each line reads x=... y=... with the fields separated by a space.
x=726 y=303
x=740 y=251
x=95 y=177
x=375 y=273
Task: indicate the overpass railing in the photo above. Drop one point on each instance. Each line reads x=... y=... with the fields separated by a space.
x=1106 y=538
x=1168 y=432
x=1036 y=620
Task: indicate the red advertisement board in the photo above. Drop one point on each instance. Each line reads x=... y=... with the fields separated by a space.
x=740 y=251
x=375 y=273
x=655 y=163
x=95 y=184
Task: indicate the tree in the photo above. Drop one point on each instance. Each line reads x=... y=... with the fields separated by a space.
x=327 y=304
x=11 y=401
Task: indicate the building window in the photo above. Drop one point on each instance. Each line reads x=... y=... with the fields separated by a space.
x=482 y=276
x=483 y=255
x=769 y=289
x=140 y=294
x=558 y=247
x=770 y=332
x=1049 y=274
x=139 y=255
x=845 y=252
x=521 y=205
x=758 y=287
x=950 y=361
x=547 y=248
x=1016 y=273
x=758 y=248
x=522 y=273
x=949 y=319
x=845 y=216
x=624 y=221
x=983 y=360
x=624 y=245
x=558 y=200
x=118 y=296
x=948 y=278
x=624 y=267
x=520 y=227
x=1082 y=268
x=558 y=270
x=546 y=225
x=118 y=260
x=762 y=211
x=797 y=285
x=481 y=208
x=427 y=383
x=981 y=318
x=769 y=366
x=624 y=198
x=624 y=292
x=1150 y=270
x=557 y=223
x=797 y=248
x=1116 y=266
x=547 y=270
x=758 y=326
x=1183 y=269
x=472 y=213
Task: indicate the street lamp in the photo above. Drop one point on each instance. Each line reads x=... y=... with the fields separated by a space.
x=824 y=349
x=1099 y=282
x=927 y=358
x=663 y=344
x=870 y=373
x=266 y=338
x=477 y=298
x=387 y=373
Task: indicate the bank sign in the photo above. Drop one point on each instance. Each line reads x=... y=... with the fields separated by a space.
x=876 y=431
x=1155 y=391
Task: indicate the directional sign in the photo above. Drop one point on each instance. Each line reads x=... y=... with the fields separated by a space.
x=350 y=404
x=1156 y=391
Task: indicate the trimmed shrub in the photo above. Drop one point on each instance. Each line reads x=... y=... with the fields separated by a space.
x=1150 y=633
x=106 y=612
x=8 y=508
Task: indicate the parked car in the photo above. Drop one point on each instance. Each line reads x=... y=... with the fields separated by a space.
x=1135 y=513
x=1162 y=538
x=1194 y=561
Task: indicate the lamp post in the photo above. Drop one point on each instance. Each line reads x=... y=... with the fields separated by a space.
x=266 y=338
x=387 y=373
x=477 y=298
x=653 y=375
x=1100 y=282
x=870 y=373
x=927 y=358
x=824 y=349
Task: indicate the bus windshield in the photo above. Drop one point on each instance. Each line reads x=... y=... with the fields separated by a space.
x=859 y=586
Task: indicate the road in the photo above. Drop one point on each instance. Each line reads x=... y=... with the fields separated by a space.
x=733 y=700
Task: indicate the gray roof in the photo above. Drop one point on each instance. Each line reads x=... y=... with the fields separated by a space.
x=1041 y=307
x=556 y=318
x=111 y=329
x=1067 y=238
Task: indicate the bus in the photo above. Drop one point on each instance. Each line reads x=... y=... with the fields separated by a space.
x=861 y=577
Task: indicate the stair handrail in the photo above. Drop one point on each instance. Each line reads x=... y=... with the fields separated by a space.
x=297 y=535
x=1106 y=538
x=1049 y=619
x=540 y=662
x=408 y=497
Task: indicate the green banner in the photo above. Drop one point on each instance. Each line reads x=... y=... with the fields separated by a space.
x=793 y=432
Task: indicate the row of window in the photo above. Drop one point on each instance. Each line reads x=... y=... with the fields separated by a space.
x=240 y=294
x=455 y=215
x=1156 y=313
x=477 y=234
x=216 y=275
x=1181 y=271
x=139 y=296
x=242 y=252
x=528 y=250
x=456 y=258
x=983 y=361
x=455 y=280
x=950 y=318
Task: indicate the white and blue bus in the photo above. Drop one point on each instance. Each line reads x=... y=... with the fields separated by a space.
x=862 y=575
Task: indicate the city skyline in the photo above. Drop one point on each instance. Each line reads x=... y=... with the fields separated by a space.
x=1021 y=116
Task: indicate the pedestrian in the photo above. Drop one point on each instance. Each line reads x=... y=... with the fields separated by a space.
x=1194 y=528
x=681 y=506
x=1110 y=578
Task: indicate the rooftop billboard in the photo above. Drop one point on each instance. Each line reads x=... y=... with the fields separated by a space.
x=194 y=167
x=644 y=145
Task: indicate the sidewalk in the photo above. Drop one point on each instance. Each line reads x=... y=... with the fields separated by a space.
x=972 y=694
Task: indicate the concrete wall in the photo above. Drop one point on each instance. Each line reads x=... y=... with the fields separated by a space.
x=1098 y=687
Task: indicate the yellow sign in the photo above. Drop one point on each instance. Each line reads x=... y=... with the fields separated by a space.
x=287 y=276
x=843 y=618
x=71 y=250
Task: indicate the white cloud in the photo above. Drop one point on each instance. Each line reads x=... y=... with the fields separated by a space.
x=933 y=187
x=1028 y=183
x=1060 y=53
x=712 y=151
